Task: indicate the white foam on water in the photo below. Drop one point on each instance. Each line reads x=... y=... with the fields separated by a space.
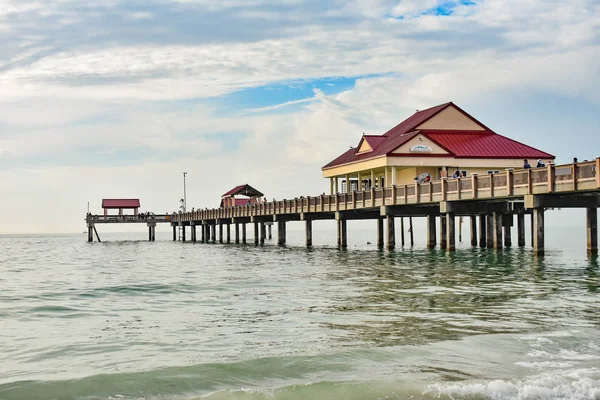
x=583 y=384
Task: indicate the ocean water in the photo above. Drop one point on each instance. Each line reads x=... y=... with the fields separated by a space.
x=128 y=319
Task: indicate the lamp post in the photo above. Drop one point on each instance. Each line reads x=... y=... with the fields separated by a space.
x=184 y=194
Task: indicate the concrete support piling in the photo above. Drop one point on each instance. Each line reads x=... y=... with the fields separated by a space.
x=380 y=233
x=90 y=234
x=193 y=232
x=450 y=232
x=482 y=231
x=490 y=231
x=243 y=233
x=308 y=233
x=202 y=233
x=532 y=231
x=237 y=232
x=497 y=228
x=256 y=233
x=521 y=230
x=342 y=234
x=391 y=233
x=174 y=233
x=538 y=230
x=213 y=233
x=402 y=241
x=270 y=231
x=281 y=232
x=443 y=232
x=507 y=223
x=592 y=230
x=183 y=233
x=473 y=220
x=263 y=233
x=412 y=234
x=220 y=233
x=149 y=233
x=228 y=233
x=431 y=232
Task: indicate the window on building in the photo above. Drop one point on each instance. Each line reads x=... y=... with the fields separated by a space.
x=493 y=171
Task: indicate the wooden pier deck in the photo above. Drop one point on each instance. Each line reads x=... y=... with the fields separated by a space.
x=496 y=199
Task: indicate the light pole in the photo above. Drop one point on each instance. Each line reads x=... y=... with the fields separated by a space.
x=184 y=194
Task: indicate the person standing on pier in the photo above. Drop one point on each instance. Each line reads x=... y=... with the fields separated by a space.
x=526 y=164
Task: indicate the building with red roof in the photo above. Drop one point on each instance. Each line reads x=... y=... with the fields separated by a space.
x=437 y=141
x=120 y=204
x=248 y=193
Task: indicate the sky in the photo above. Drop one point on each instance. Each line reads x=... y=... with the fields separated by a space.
x=117 y=98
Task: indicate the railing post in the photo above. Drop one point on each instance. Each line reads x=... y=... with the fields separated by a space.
x=529 y=183
x=322 y=200
x=372 y=196
x=337 y=203
x=491 y=176
x=575 y=176
x=510 y=190
x=417 y=192
x=597 y=172
x=405 y=194
x=474 y=185
x=430 y=191
x=394 y=192
x=444 y=188
x=354 y=200
x=458 y=188
x=551 y=177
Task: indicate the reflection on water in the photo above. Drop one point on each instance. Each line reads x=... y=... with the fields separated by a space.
x=270 y=316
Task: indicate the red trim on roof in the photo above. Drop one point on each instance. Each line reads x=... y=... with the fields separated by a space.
x=120 y=203
x=244 y=190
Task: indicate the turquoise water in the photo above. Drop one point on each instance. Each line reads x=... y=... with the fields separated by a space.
x=128 y=319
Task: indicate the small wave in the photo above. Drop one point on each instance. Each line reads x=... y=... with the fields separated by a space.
x=583 y=384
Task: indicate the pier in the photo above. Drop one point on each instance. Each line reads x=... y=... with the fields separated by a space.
x=496 y=199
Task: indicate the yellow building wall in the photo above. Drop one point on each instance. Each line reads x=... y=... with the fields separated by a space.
x=420 y=140
x=364 y=147
x=451 y=119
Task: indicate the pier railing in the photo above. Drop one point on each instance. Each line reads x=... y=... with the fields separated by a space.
x=130 y=218
x=582 y=176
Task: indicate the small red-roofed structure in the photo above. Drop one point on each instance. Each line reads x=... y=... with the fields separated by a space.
x=250 y=196
x=120 y=204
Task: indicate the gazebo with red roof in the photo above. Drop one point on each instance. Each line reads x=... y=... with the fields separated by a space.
x=120 y=204
x=231 y=198
x=435 y=141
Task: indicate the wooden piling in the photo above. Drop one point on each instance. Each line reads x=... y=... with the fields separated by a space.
x=270 y=232
x=98 y=236
x=538 y=230
x=243 y=233
x=213 y=233
x=412 y=234
x=507 y=223
x=174 y=233
x=431 y=231
x=228 y=233
x=308 y=223
x=237 y=232
x=391 y=233
x=473 y=219
x=256 y=233
x=263 y=233
x=592 y=230
x=450 y=232
x=220 y=233
x=521 y=229
x=193 y=232
x=183 y=233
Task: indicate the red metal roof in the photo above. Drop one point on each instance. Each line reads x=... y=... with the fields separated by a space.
x=120 y=203
x=244 y=190
x=465 y=143
x=487 y=145
x=415 y=120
